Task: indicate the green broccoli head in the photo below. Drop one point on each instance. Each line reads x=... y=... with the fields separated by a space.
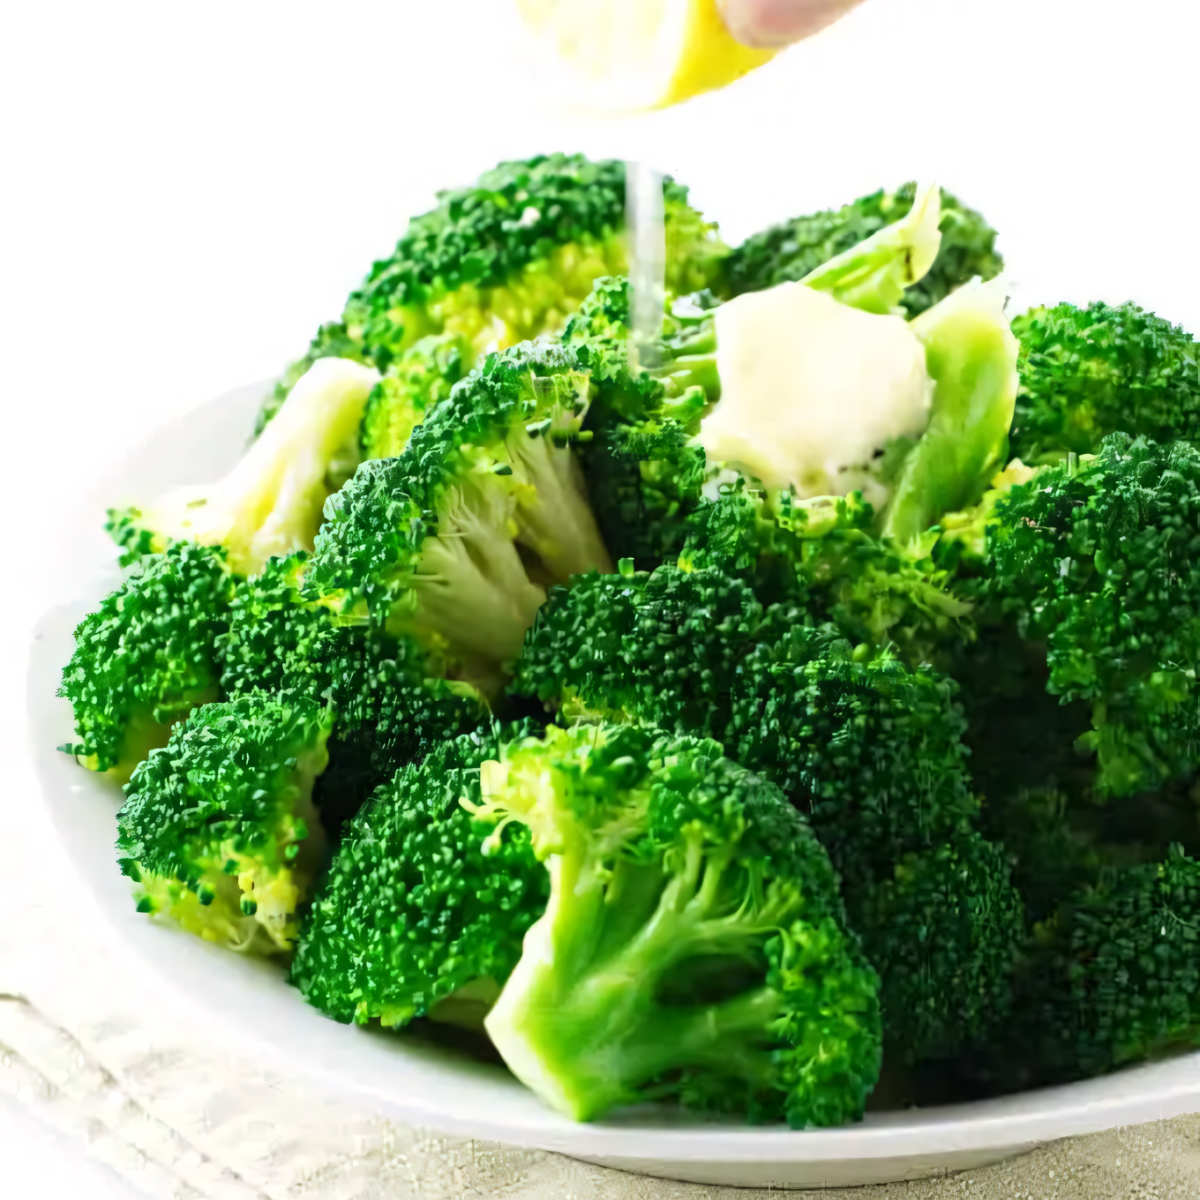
x=1112 y=978
x=218 y=829
x=390 y=698
x=147 y=656
x=1096 y=562
x=506 y=259
x=870 y=751
x=660 y=648
x=455 y=541
x=1088 y=372
x=271 y=502
x=826 y=556
x=942 y=929
x=693 y=944
x=419 y=378
x=413 y=917
x=794 y=249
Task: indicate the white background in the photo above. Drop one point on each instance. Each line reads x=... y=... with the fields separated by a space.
x=187 y=190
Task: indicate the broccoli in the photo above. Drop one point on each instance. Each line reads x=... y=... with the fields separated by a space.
x=692 y=946
x=419 y=378
x=826 y=556
x=413 y=918
x=218 y=829
x=660 y=648
x=147 y=656
x=943 y=930
x=271 y=502
x=506 y=259
x=664 y=449
x=1088 y=372
x=1095 y=563
x=1112 y=978
x=390 y=699
x=794 y=249
x=455 y=541
x=870 y=751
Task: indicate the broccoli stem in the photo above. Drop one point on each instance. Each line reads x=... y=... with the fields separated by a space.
x=553 y=516
x=874 y=274
x=580 y=1020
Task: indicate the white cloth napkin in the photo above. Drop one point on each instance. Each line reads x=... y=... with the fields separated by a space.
x=92 y=1049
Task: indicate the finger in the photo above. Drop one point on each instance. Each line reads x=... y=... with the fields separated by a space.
x=778 y=22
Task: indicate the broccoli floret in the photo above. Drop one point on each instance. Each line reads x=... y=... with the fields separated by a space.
x=870 y=751
x=661 y=648
x=793 y=249
x=455 y=541
x=412 y=917
x=826 y=556
x=1088 y=372
x=510 y=257
x=218 y=829
x=390 y=699
x=1095 y=561
x=1112 y=978
x=147 y=656
x=271 y=502
x=692 y=946
x=943 y=930
x=420 y=378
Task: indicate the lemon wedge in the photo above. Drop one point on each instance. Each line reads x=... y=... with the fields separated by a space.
x=637 y=54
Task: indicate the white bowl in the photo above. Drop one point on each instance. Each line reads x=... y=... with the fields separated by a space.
x=432 y=1087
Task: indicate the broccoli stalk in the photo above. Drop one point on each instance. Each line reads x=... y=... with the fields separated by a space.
x=971 y=356
x=270 y=503
x=692 y=943
x=874 y=274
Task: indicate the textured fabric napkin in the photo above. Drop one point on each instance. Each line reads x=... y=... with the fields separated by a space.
x=92 y=1049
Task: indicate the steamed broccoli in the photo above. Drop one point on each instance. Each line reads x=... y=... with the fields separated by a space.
x=390 y=699
x=1088 y=372
x=870 y=751
x=692 y=946
x=943 y=930
x=795 y=248
x=1112 y=978
x=271 y=502
x=455 y=541
x=670 y=441
x=1095 y=562
x=413 y=918
x=420 y=378
x=218 y=829
x=661 y=648
x=506 y=259
x=147 y=656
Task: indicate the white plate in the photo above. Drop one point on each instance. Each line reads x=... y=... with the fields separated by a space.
x=432 y=1087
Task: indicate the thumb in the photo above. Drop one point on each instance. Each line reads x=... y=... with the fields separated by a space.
x=778 y=22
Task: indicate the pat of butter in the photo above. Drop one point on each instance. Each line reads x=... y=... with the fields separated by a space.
x=812 y=389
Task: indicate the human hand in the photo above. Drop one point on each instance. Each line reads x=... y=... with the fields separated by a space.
x=777 y=22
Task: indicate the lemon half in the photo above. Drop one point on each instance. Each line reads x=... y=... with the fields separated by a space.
x=638 y=54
